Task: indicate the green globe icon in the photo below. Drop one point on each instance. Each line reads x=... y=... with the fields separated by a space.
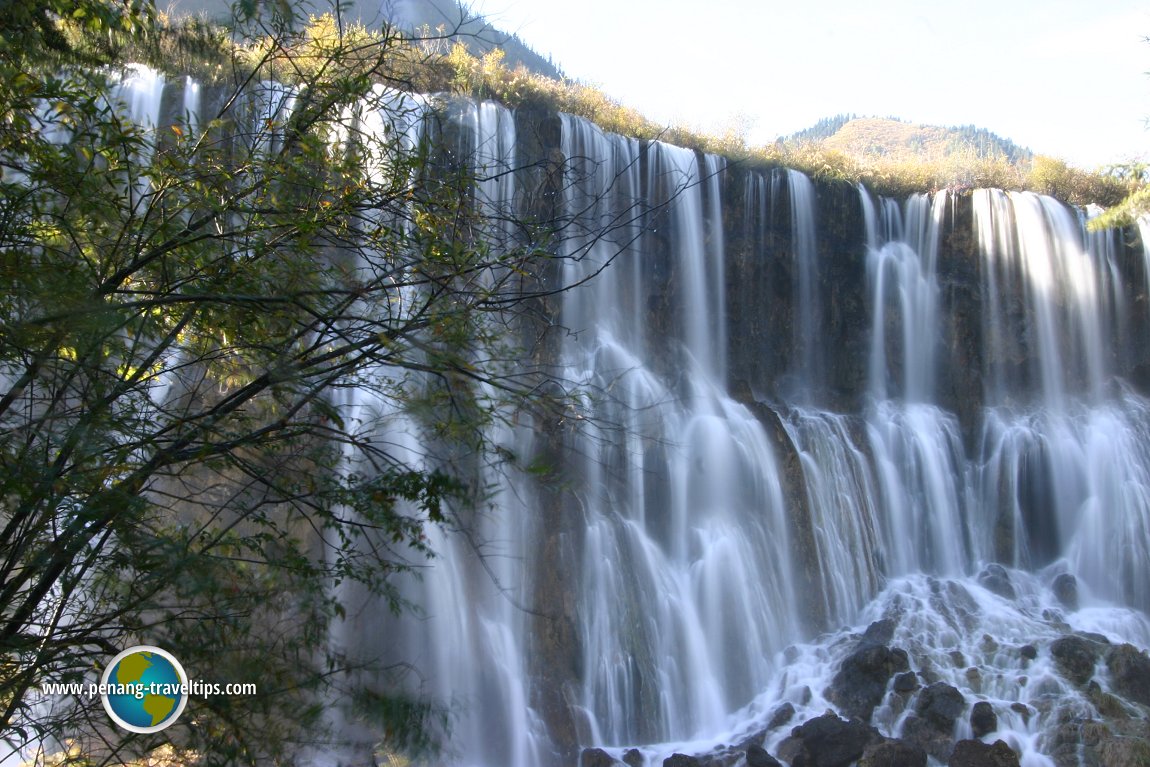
x=144 y=689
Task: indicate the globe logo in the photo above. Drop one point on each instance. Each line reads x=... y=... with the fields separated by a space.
x=144 y=689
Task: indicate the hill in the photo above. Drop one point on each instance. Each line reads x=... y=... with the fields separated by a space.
x=448 y=18
x=429 y=16
x=871 y=138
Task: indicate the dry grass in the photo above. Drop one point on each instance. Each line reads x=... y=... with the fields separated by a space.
x=434 y=64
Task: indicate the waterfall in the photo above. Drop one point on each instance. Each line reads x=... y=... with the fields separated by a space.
x=800 y=408
x=808 y=337
x=1064 y=440
x=678 y=487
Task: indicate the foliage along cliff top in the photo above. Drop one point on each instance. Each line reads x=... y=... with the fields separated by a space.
x=436 y=61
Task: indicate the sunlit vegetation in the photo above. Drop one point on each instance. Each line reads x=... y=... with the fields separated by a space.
x=924 y=158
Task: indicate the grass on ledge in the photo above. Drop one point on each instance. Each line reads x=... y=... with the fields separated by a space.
x=433 y=62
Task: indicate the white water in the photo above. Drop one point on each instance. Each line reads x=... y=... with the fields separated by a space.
x=809 y=341
x=686 y=578
x=677 y=483
x=676 y=547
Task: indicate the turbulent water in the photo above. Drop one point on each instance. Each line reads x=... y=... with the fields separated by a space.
x=714 y=544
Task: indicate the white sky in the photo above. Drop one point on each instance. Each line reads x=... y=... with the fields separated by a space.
x=1064 y=77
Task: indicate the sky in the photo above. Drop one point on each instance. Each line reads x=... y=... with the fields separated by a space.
x=1066 y=78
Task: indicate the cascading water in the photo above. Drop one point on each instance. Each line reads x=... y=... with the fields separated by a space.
x=808 y=337
x=1066 y=462
x=665 y=591
x=678 y=486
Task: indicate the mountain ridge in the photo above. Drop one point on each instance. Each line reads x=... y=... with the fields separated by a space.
x=448 y=19
x=892 y=138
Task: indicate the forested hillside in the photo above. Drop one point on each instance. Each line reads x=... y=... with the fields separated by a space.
x=426 y=18
x=890 y=137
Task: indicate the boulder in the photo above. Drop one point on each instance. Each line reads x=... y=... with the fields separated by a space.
x=880 y=632
x=727 y=758
x=975 y=753
x=907 y=681
x=931 y=726
x=1109 y=706
x=780 y=716
x=1130 y=673
x=828 y=741
x=973 y=679
x=681 y=760
x=633 y=757
x=1022 y=710
x=1075 y=658
x=940 y=705
x=983 y=720
x=893 y=753
x=596 y=757
x=1124 y=752
x=930 y=738
x=1065 y=588
x=757 y=756
x=861 y=681
x=995 y=578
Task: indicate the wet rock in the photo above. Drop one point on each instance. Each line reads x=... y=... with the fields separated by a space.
x=755 y=740
x=681 y=760
x=995 y=578
x=1022 y=710
x=931 y=726
x=780 y=716
x=893 y=753
x=1028 y=651
x=1108 y=705
x=861 y=681
x=940 y=705
x=757 y=756
x=934 y=741
x=907 y=681
x=983 y=720
x=1091 y=743
x=725 y=759
x=633 y=757
x=1065 y=588
x=1130 y=673
x=1124 y=752
x=789 y=749
x=963 y=603
x=827 y=741
x=975 y=753
x=1092 y=733
x=974 y=679
x=1075 y=658
x=1064 y=746
x=596 y=757
x=880 y=632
